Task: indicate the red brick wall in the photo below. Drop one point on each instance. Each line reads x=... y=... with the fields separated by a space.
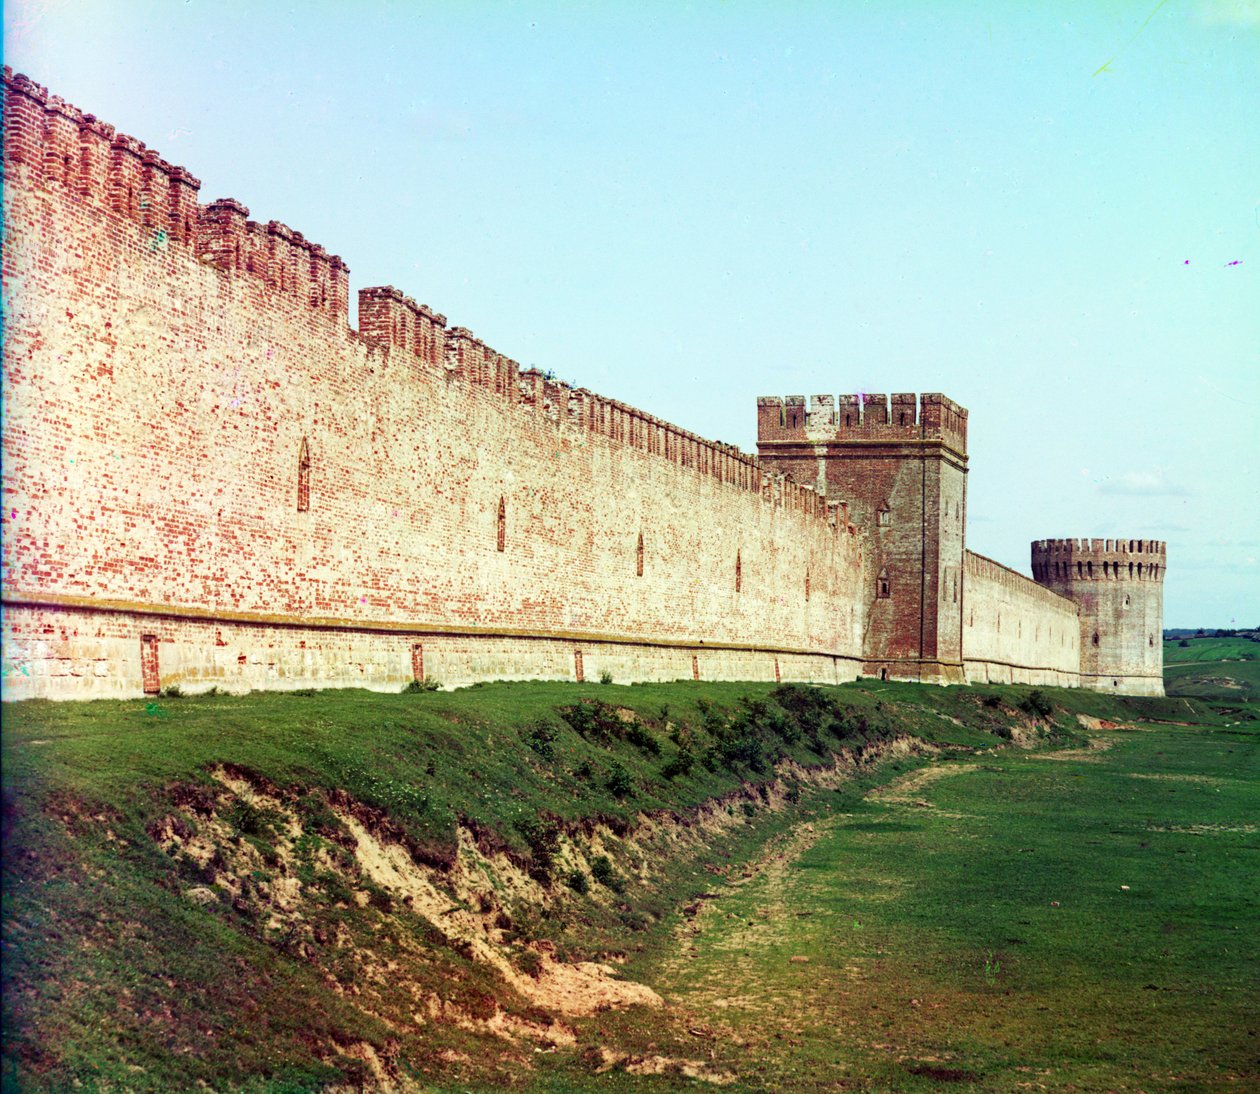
x=167 y=365
x=900 y=468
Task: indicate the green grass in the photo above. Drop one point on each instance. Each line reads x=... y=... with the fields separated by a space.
x=1082 y=922
x=1213 y=668
x=113 y=979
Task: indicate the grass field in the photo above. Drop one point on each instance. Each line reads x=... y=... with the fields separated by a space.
x=1080 y=920
x=1213 y=668
x=186 y=900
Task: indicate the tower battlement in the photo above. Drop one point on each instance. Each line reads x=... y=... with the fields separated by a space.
x=903 y=416
x=1056 y=560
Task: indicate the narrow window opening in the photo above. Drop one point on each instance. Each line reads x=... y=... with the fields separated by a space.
x=777 y=676
x=638 y=557
x=501 y=527
x=150 y=677
x=883 y=588
x=304 y=478
x=1080 y=569
x=579 y=672
x=1139 y=571
x=807 y=585
x=1130 y=570
x=695 y=667
x=417 y=662
x=1095 y=638
x=1150 y=640
x=883 y=516
x=883 y=674
x=739 y=571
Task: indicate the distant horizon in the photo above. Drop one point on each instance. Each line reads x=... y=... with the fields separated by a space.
x=1050 y=217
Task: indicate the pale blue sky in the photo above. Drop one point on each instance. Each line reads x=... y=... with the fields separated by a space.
x=685 y=206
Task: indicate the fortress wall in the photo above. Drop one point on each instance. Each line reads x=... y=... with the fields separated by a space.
x=167 y=390
x=1016 y=631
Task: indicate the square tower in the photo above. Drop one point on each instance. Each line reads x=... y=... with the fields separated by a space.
x=901 y=466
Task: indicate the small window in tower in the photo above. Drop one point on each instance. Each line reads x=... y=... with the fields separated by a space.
x=807 y=585
x=739 y=571
x=501 y=529
x=1130 y=570
x=638 y=557
x=1080 y=569
x=1095 y=638
x=883 y=588
x=1150 y=640
x=304 y=478
x=883 y=515
x=1126 y=600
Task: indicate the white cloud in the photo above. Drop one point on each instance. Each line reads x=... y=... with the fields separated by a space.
x=1233 y=13
x=1144 y=483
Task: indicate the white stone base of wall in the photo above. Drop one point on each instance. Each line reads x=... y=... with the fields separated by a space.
x=1125 y=685
x=73 y=653
x=1000 y=672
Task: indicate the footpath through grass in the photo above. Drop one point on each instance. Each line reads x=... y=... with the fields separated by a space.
x=1086 y=919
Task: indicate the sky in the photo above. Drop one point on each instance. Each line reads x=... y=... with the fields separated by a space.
x=1049 y=212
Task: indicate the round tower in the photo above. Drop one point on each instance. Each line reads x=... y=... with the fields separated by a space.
x=1119 y=586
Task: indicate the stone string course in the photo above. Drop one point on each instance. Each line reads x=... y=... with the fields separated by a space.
x=211 y=479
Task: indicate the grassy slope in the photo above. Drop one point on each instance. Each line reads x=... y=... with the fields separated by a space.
x=1213 y=668
x=1081 y=921
x=103 y=985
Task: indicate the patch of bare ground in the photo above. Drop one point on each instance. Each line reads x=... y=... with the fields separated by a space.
x=1090 y=754
x=604 y=1060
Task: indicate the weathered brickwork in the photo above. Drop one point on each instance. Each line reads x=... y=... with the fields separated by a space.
x=1016 y=631
x=211 y=479
x=899 y=470
x=192 y=429
x=1119 y=585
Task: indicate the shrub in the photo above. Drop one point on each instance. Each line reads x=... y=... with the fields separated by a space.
x=605 y=677
x=422 y=685
x=993 y=702
x=1184 y=643
x=541 y=737
x=172 y=692
x=542 y=836
x=681 y=764
x=584 y=771
x=578 y=882
x=603 y=872
x=594 y=720
x=637 y=735
x=1037 y=704
x=619 y=783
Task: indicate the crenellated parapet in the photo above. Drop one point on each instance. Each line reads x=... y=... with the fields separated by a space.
x=1059 y=560
x=58 y=147
x=864 y=417
x=390 y=318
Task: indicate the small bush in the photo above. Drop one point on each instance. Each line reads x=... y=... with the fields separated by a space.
x=421 y=685
x=993 y=702
x=305 y=693
x=605 y=677
x=1037 y=704
x=584 y=771
x=680 y=764
x=637 y=735
x=1184 y=643
x=750 y=810
x=578 y=882
x=603 y=872
x=172 y=692
x=619 y=783
x=541 y=737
